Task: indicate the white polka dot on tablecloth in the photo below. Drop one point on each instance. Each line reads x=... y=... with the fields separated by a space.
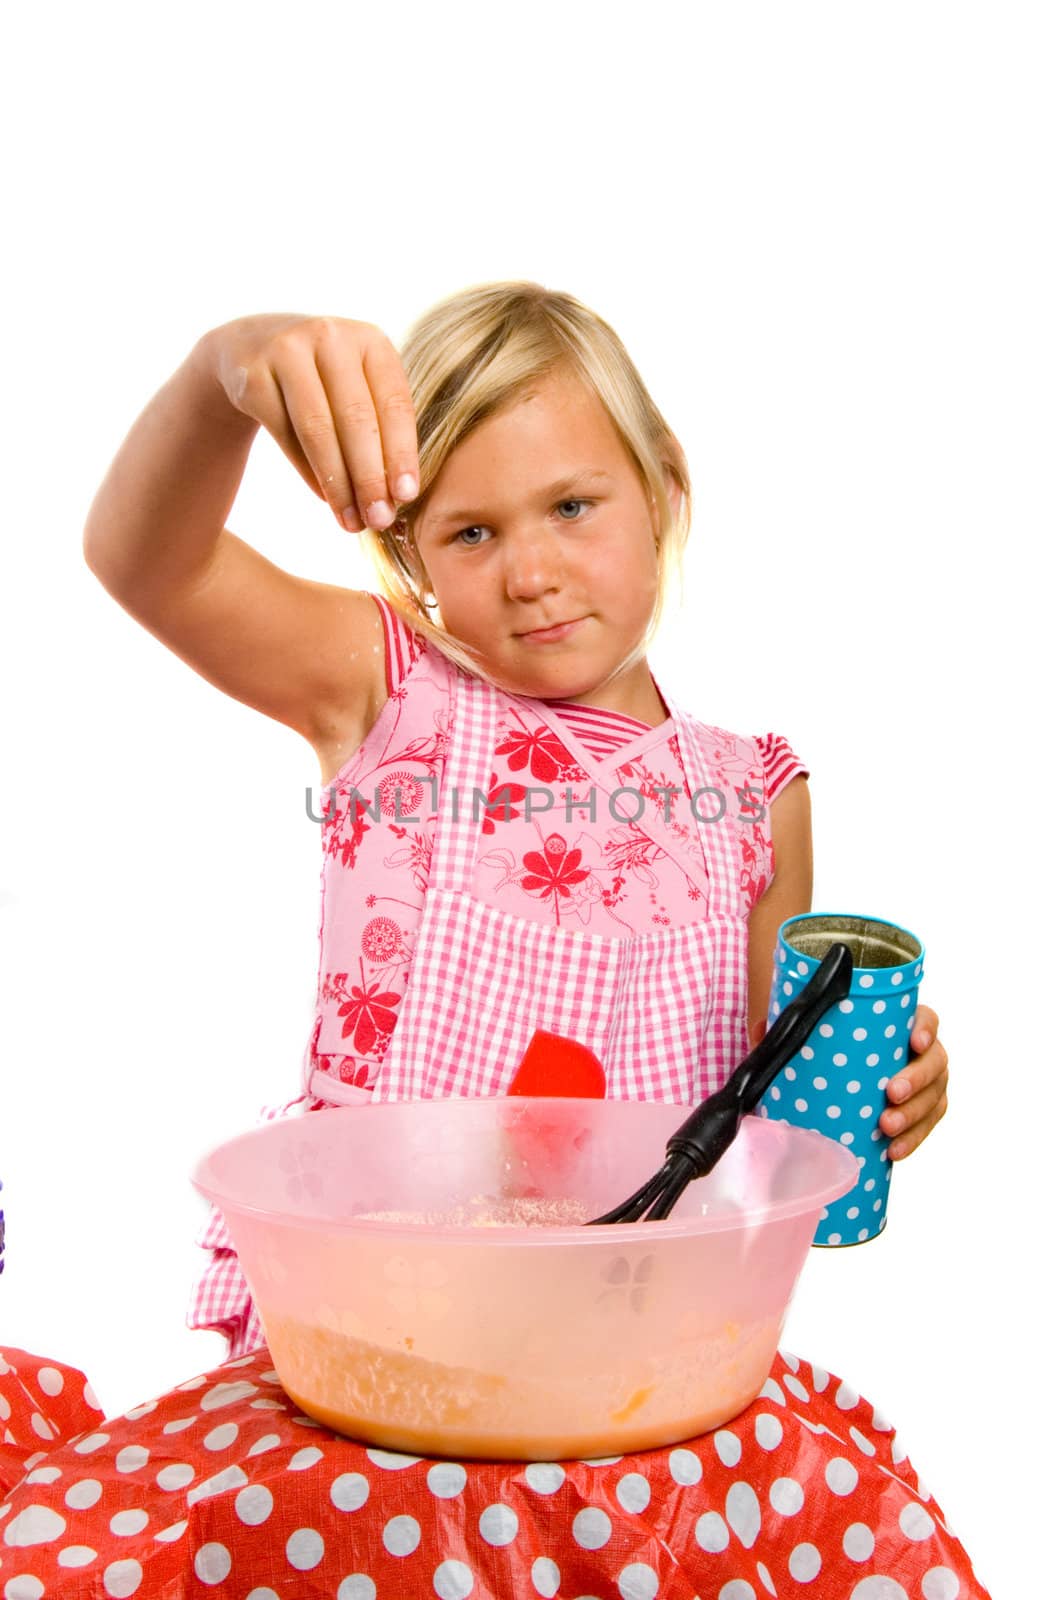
x=939 y=1583
x=269 y=1441
x=176 y=1476
x=357 y=1587
x=131 y=1458
x=880 y=1422
x=308 y=1457
x=135 y=1413
x=915 y=1522
x=498 y=1525
x=222 y=1437
x=633 y=1493
x=253 y=1504
x=768 y=1431
x=787 y=1497
x=805 y=1563
x=591 y=1528
x=545 y=1477
x=863 y=1444
x=23 y=1587
x=226 y=1394
x=122 y=1578
x=743 y=1511
x=83 y=1494
x=546 y=1578
x=737 y=1589
x=711 y=1533
x=770 y=1390
x=821 y=1379
x=264 y=1403
x=859 y=1542
x=350 y=1491
x=766 y=1577
x=841 y=1475
x=36 y=1525
x=392 y=1460
x=50 y=1381
x=263 y=1594
x=305 y=1549
x=846 y=1397
x=231 y=1477
x=637 y=1581
x=878 y=1588
x=401 y=1536
x=796 y=1386
x=126 y=1523
x=43 y=1475
x=94 y=1441
x=172 y=1533
x=179 y=1424
x=453 y=1580
x=76 y=1555
x=41 y=1428
x=212 y=1563
x=685 y=1467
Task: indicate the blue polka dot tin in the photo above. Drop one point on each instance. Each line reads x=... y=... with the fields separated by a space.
x=836 y=1084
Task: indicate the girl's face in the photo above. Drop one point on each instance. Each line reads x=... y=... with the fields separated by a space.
x=538 y=540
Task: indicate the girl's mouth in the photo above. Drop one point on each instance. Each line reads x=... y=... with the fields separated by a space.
x=554 y=635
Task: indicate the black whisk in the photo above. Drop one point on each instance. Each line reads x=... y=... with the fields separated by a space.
x=697 y=1146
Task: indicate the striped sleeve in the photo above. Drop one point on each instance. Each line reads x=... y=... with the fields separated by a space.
x=779 y=762
x=402 y=646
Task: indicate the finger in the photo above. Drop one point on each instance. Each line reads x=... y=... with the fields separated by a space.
x=264 y=400
x=918 y=1073
x=374 y=418
x=900 y=1120
x=913 y=1137
x=395 y=413
x=311 y=421
x=925 y=1028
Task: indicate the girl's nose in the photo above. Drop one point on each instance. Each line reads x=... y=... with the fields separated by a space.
x=532 y=566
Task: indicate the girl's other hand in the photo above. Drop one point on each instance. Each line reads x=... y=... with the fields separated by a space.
x=334 y=395
x=918 y=1092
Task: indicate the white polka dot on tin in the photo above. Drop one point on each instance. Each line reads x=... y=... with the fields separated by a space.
x=711 y=1533
x=125 y=1523
x=122 y=1578
x=76 y=1555
x=350 y=1491
x=939 y=1583
x=401 y=1536
x=860 y=1033
x=802 y=968
x=392 y=1460
x=859 y=1542
x=452 y=1580
x=879 y=1006
x=359 y=1586
x=846 y=1006
x=633 y=1493
x=826 y=1030
x=498 y=1525
x=853 y=1086
x=743 y=1511
x=637 y=1581
x=915 y=1522
x=36 y=1525
x=801 y=1105
x=212 y=1563
x=840 y=1475
x=866 y=980
x=834 y=1238
x=838 y=1059
x=888 y=1033
x=591 y=1528
x=308 y=1457
x=685 y=1467
x=820 y=1083
x=896 y=978
x=786 y=1496
x=768 y=1431
x=50 y=1381
x=305 y=1549
x=83 y=1494
x=545 y=1477
x=872 y=1060
x=546 y=1578
x=805 y=1563
x=94 y=1441
x=23 y=1587
x=176 y=1476
x=806 y=1052
x=788 y=988
x=846 y=1138
x=790 y=1074
x=253 y=1505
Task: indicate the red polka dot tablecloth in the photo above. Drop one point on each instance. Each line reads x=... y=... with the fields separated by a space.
x=222 y=1487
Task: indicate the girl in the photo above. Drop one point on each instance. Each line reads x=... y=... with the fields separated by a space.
x=512 y=840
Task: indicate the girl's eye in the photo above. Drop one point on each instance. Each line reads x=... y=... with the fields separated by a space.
x=470 y=544
x=578 y=503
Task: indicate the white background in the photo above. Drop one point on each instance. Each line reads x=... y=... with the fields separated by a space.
x=830 y=236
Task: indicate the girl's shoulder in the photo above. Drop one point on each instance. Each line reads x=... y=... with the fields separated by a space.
x=766 y=762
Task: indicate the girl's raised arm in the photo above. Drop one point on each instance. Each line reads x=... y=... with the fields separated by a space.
x=334 y=395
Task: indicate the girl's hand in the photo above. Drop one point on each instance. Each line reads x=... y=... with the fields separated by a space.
x=334 y=395
x=918 y=1092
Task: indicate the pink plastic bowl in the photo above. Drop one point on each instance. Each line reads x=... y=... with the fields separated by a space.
x=449 y=1337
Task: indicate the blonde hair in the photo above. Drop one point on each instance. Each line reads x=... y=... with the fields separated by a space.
x=469 y=357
